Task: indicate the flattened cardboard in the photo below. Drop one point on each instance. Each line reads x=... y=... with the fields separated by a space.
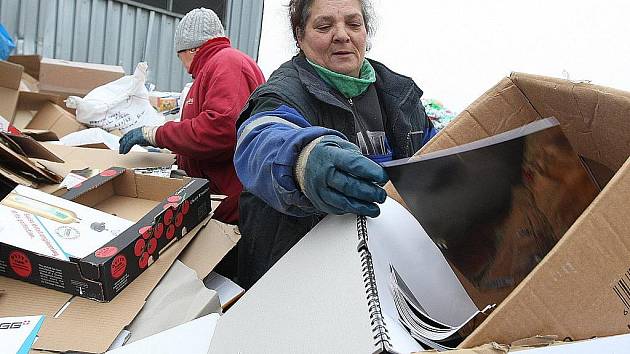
x=79 y=158
x=575 y=292
x=16 y=157
x=10 y=75
x=54 y=74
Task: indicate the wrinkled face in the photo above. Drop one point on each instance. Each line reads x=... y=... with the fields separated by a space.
x=187 y=56
x=335 y=36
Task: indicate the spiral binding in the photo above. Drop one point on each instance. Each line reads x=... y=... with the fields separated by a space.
x=379 y=329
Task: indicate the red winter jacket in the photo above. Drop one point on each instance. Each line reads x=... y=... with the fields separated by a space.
x=205 y=138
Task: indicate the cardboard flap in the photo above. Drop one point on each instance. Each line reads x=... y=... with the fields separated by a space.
x=12 y=155
x=40 y=135
x=594 y=118
x=501 y=108
x=112 y=316
x=34 y=149
x=10 y=76
x=29 y=62
x=33 y=101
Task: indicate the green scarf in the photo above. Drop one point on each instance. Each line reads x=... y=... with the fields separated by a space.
x=349 y=86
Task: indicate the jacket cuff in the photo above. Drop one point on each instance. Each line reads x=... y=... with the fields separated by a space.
x=149 y=133
x=300 y=165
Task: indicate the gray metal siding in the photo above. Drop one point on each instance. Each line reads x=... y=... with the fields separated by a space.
x=244 y=22
x=118 y=33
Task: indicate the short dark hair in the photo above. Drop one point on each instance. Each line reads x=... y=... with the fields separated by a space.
x=300 y=11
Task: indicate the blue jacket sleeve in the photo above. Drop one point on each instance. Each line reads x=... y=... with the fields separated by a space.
x=267 y=148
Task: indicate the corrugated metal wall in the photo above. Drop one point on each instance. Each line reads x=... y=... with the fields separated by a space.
x=116 y=32
x=244 y=22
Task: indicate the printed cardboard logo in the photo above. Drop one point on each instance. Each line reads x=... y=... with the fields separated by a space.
x=21 y=265
x=119 y=265
x=14 y=325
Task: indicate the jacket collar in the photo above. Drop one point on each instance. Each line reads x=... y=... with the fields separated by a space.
x=207 y=51
x=387 y=82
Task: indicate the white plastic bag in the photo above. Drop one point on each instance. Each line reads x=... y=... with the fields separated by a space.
x=122 y=104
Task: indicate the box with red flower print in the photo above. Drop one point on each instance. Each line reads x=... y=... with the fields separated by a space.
x=160 y=211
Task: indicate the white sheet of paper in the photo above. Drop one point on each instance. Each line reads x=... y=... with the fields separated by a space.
x=191 y=337
x=396 y=237
x=95 y=136
x=17 y=334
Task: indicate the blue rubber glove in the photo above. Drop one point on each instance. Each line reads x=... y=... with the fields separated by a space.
x=133 y=137
x=338 y=179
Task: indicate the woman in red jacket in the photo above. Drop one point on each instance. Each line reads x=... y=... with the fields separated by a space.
x=205 y=138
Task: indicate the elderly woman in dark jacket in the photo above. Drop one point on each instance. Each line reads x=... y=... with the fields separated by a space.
x=310 y=139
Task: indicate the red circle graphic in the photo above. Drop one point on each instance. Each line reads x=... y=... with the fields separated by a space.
x=119 y=265
x=143 y=261
x=109 y=173
x=159 y=230
x=152 y=246
x=21 y=265
x=174 y=199
x=186 y=207
x=179 y=219
x=106 y=252
x=170 y=231
x=138 y=248
x=168 y=217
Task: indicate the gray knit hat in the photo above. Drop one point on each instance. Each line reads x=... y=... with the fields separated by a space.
x=197 y=27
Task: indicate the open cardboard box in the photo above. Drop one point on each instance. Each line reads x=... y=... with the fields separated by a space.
x=162 y=211
x=67 y=78
x=77 y=324
x=42 y=117
x=580 y=289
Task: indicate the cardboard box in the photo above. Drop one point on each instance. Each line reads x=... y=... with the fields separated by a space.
x=581 y=288
x=162 y=211
x=10 y=75
x=55 y=119
x=88 y=326
x=67 y=78
x=43 y=117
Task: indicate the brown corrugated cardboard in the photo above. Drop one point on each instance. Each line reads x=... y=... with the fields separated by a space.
x=576 y=291
x=106 y=320
x=17 y=154
x=79 y=158
x=54 y=76
x=10 y=75
x=28 y=83
x=53 y=118
x=29 y=62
